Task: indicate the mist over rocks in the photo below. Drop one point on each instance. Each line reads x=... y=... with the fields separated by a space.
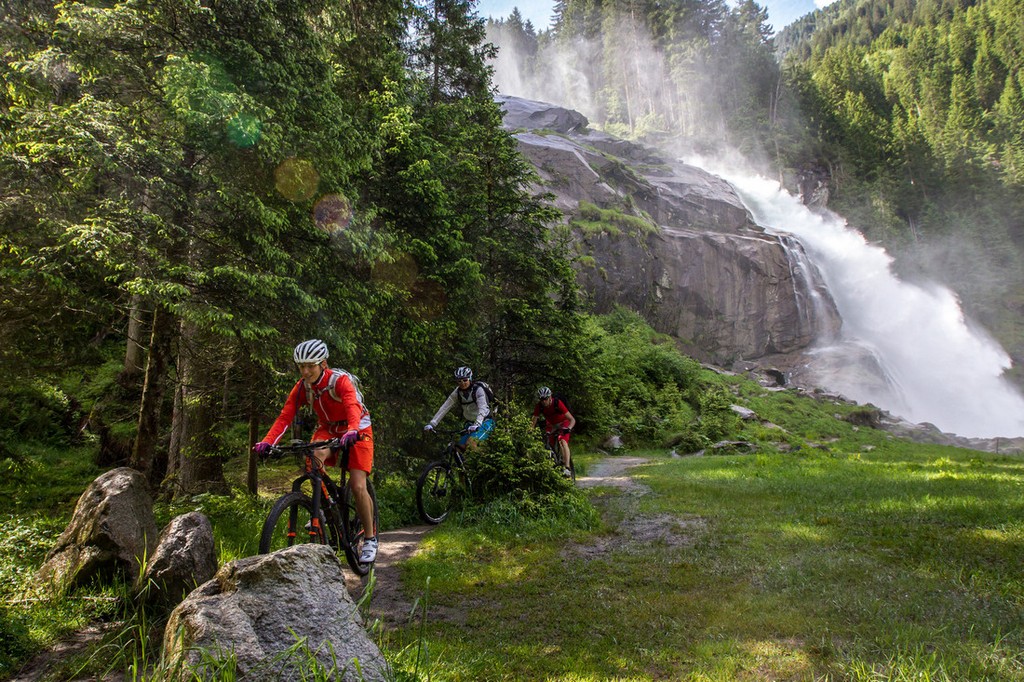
x=672 y=242
x=679 y=245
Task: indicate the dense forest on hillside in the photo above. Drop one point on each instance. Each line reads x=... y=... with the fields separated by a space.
x=909 y=114
x=189 y=189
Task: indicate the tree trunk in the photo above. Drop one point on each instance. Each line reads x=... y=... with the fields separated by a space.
x=133 y=363
x=153 y=392
x=174 y=445
x=199 y=467
x=251 y=479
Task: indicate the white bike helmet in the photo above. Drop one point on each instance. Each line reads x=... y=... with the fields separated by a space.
x=313 y=351
x=464 y=373
x=543 y=392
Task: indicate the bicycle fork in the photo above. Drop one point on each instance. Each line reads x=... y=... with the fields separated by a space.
x=316 y=531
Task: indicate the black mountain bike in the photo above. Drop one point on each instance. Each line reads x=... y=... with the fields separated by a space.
x=318 y=509
x=555 y=453
x=442 y=481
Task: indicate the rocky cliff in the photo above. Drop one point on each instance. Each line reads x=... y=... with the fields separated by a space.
x=672 y=242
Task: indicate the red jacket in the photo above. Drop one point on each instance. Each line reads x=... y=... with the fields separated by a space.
x=555 y=414
x=335 y=416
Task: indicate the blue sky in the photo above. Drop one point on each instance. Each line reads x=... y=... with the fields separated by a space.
x=780 y=12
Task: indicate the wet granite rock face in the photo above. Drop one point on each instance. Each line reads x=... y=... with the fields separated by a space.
x=701 y=271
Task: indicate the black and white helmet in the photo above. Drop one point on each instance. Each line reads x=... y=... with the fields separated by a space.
x=543 y=392
x=313 y=351
x=464 y=373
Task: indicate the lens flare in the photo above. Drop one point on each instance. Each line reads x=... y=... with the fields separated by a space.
x=332 y=213
x=244 y=130
x=400 y=272
x=427 y=301
x=296 y=179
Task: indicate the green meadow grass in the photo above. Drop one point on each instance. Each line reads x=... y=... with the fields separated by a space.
x=905 y=563
x=830 y=553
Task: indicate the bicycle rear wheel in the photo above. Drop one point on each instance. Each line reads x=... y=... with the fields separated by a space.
x=289 y=523
x=353 y=525
x=435 y=492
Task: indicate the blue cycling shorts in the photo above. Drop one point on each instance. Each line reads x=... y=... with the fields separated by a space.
x=480 y=434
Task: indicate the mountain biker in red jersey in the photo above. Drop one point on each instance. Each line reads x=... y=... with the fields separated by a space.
x=340 y=413
x=558 y=422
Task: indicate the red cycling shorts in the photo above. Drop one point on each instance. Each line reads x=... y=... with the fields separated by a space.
x=360 y=455
x=554 y=437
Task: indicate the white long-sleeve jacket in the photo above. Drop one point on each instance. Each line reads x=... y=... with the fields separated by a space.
x=474 y=405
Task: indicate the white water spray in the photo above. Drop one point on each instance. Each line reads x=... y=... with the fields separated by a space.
x=931 y=364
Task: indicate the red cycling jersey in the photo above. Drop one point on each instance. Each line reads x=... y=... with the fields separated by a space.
x=555 y=414
x=334 y=416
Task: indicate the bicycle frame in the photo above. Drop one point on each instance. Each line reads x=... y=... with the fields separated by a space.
x=453 y=456
x=330 y=506
x=551 y=442
x=323 y=487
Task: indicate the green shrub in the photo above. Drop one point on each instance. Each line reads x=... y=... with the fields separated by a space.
x=637 y=383
x=593 y=219
x=717 y=419
x=513 y=460
x=39 y=411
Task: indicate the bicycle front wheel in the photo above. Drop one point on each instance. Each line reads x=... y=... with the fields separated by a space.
x=354 y=530
x=435 y=492
x=290 y=522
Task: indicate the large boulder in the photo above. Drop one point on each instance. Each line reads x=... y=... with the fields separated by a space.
x=111 y=532
x=533 y=115
x=258 y=608
x=185 y=557
x=703 y=271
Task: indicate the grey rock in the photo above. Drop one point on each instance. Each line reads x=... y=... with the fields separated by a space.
x=258 y=609
x=111 y=531
x=730 y=447
x=612 y=442
x=701 y=271
x=185 y=557
x=745 y=413
x=533 y=115
x=869 y=416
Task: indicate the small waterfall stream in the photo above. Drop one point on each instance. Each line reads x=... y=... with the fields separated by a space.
x=904 y=347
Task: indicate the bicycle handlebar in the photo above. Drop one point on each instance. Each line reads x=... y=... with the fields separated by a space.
x=304 y=447
x=449 y=434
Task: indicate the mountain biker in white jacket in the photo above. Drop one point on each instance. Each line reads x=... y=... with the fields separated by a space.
x=476 y=410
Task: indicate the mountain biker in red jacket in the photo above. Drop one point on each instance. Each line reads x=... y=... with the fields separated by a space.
x=558 y=422
x=340 y=413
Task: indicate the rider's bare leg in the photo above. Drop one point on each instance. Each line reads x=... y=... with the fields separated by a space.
x=564 y=447
x=364 y=505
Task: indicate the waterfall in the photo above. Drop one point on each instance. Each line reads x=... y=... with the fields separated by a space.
x=904 y=347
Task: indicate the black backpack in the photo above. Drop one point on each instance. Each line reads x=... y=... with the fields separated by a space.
x=487 y=392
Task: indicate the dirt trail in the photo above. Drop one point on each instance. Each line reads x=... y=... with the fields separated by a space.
x=393 y=607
